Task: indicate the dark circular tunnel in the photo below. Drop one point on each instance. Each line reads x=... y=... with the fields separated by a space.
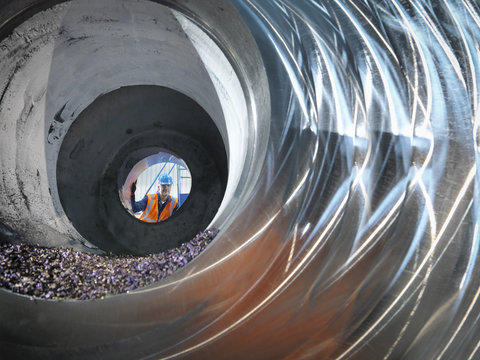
x=133 y=123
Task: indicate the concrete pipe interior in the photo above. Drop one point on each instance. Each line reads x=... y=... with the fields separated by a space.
x=86 y=85
x=125 y=127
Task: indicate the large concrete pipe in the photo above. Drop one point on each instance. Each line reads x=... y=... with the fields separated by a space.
x=337 y=140
x=99 y=94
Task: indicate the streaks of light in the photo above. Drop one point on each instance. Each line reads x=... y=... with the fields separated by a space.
x=427 y=257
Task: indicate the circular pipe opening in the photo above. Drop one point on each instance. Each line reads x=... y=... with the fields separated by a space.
x=150 y=176
x=117 y=135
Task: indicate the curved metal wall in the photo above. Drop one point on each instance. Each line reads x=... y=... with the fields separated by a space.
x=356 y=238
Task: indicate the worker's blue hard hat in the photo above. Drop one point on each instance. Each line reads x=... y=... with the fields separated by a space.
x=165 y=179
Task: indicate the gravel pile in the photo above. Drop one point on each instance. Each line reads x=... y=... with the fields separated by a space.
x=53 y=273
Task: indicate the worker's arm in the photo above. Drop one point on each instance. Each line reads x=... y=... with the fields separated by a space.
x=137 y=205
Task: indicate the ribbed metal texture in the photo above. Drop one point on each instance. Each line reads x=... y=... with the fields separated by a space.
x=356 y=237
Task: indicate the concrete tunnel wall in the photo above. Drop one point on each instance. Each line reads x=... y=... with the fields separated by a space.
x=60 y=60
x=55 y=64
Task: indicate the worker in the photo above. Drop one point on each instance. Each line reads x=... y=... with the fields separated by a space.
x=158 y=206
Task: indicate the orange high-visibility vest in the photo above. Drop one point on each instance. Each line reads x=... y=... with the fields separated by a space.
x=150 y=214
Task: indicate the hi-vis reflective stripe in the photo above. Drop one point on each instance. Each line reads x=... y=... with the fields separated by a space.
x=172 y=205
x=150 y=203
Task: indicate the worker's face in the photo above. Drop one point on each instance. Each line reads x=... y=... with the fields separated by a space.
x=165 y=189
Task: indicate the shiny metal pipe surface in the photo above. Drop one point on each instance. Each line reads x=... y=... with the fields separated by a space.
x=356 y=237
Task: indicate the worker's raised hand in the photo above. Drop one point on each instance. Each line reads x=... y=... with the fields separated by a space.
x=133 y=188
